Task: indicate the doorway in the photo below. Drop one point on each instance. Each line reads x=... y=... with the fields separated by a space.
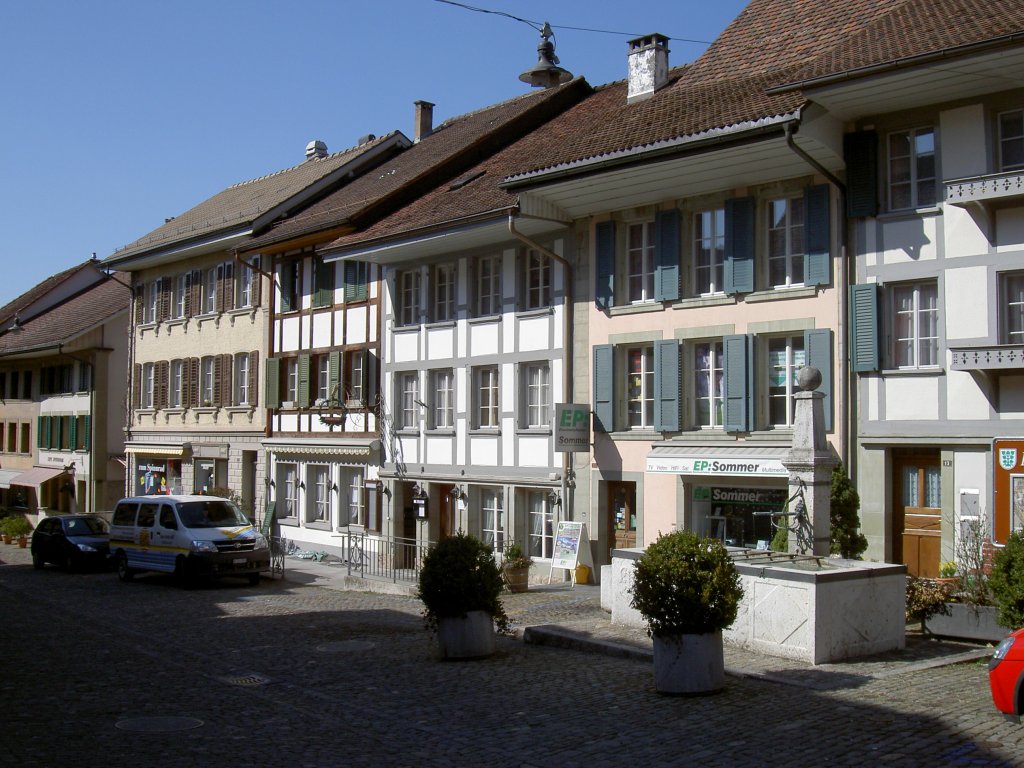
x=621 y=515
x=917 y=513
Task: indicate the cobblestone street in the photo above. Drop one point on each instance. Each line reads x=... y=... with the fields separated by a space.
x=296 y=673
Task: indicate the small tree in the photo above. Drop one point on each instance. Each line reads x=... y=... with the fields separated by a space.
x=847 y=540
x=1007 y=581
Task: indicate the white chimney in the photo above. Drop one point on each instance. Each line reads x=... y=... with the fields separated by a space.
x=424 y=119
x=316 y=148
x=648 y=66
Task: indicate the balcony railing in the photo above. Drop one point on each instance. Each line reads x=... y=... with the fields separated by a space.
x=991 y=188
x=995 y=357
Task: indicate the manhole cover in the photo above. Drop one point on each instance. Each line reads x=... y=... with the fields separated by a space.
x=158 y=724
x=342 y=646
x=246 y=680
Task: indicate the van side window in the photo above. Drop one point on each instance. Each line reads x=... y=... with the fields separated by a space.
x=147 y=515
x=124 y=514
x=167 y=519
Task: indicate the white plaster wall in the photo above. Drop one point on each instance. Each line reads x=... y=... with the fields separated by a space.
x=289 y=422
x=322 y=329
x=534 y=451
x=483 y=339
x=409 y=446
x=289 y=334
x=353 y=323
x=483 y=450
x=534 y=333
x=970 y=470
x=962 y=142
x=874 y=387
x=912 y=240
x=963 y=235
x=405 y=347
x=965 y=402
x=439 y=451
x=966 y=317
x=440 y=343
x=1011 y=398
x=912 y=398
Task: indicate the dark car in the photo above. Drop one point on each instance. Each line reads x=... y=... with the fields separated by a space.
x=74 y=542
x=1006 y=675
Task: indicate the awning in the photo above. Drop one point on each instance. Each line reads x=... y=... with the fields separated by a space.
x=355 y=447
x=156 y=449
x=6 y=475
x=33 y=478
x=719 y=461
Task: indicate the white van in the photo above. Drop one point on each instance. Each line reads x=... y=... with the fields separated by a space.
x=189 y=536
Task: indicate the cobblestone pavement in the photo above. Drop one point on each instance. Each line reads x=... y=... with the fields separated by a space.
x=297 y=673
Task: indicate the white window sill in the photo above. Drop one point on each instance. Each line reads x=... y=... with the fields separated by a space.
x=930 y=371
x=635 y=309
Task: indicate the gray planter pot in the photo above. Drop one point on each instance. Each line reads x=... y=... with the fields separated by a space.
x=468 y=637
x=968 y=622
x=689 y=664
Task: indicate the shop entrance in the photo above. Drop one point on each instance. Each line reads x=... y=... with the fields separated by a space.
x=917 y=513
x=621 y=515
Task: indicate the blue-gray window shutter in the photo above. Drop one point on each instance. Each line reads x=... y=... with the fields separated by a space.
x=666 y=256
x=818 y=345
x=864 y=325
x=738 y=371
x=739 y=245
x=861 y=153
x=604 y=388
x=817 y=230
x=666 y=386
x=604 y=288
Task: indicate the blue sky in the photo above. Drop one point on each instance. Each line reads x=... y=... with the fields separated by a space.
x=120 y=113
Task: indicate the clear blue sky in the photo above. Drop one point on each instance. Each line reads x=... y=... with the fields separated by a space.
x=120 y=113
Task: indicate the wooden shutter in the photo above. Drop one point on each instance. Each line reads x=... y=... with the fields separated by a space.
x=355 y=280
x=272 y=382
x=604 y=288
x=738 y=371
x=195 y=294
x=861 y=153
x=287 y=283
x=226 y=384
x=864 y=328
x=137 y=385
x=323 y=276
x=739 y=245
x=161 y=383
x=334 y=375
x=226 y=287
x=604 y=388
x=666 y=386
x=42 y=432
x=140 y=303
x=254 y=378
x=666 y=255
x=817 y=236
x=818 y=345
x=73 y=430
x=87 y=428
x=164 y=305
x=257 y=280
x=302 y=391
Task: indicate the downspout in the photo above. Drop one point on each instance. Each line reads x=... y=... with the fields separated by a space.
x=567 y=340
x=129 y=373
x=845 y=270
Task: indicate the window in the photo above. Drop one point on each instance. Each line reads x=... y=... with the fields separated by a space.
x=541 y=524
x=912 y=168
x=442 y=412
x=536 y=281
x=492 y=518
x=1012 y=331
x=709 y=252
x=915 y=313
x=357 y=280
x=356 y=365
x=322 y=366
x=147 y=385
x=640 y=387
x=210 y=291
x=287 y=490
x=536 y=384
x=408 y=401
x=291 y=380
x=786 y=356
x=640 y=262
x=206 y=381
x=1011 y=140
x=82 y=424
x=152 y=301
x=12 y=438
x=708 y=384
x=356 y=507
x=240 y=385
x=246 y=288
x=443 y=291
x=26 y=446
x=488 y=286
x=408 y=290
x=174 y=394
x=485 y=380
x=291 y=287
x=318 y=488
x=786 y=242
x=179 y=301
x=85 y=377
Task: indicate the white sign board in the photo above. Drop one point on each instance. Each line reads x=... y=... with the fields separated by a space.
x=567 y=544
x=717 y=466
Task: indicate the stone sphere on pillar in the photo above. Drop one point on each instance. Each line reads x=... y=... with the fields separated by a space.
x=808 y=378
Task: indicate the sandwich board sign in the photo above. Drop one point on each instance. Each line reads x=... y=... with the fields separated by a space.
x=568 y=536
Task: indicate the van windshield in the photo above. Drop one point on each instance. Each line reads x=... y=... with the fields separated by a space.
x=210 y=514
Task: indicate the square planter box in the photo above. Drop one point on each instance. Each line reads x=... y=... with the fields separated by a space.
x=968 y=622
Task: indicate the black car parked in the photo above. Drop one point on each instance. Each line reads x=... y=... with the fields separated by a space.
x=71 y=541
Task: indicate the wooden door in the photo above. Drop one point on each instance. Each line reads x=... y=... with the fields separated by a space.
x=621 y=515
x=918 y=515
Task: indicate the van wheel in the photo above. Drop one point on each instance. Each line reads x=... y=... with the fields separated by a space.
x=254 y=579
x=183 y=574
x=124 y=573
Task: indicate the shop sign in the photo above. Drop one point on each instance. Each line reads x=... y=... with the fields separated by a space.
x=717 y=466
x=1007 y=486
x=572 y=427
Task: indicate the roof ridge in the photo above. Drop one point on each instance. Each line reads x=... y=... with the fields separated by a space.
x=497 y=104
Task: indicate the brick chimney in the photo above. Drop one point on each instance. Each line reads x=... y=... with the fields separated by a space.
x=648 y=66
x=424 y=119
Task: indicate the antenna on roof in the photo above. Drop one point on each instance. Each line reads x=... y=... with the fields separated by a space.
x=546 y=73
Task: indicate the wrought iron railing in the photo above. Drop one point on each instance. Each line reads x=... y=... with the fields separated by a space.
x=375 y=557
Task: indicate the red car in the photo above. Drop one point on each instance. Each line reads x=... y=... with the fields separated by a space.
x=1006 y=676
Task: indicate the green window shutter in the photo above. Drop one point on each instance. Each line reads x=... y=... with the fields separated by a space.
x=738 y=371
x=739 y=245
x=272 y=382
x=818 y=345
x=74 y=433
x=303 y=389
x=87 y=437
x=604 y=289
x=287 y=282
x=861 y=153
x=334 y=375
x=54 y=433
x=666 y=386
x=355 y=280
x=42 y=433
x=864 y=328
x=323 y=295
x=604 y=388
x=666 y=255
x=817 y=229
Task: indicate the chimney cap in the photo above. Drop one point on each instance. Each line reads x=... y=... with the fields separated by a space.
x=315 y=149
x=653 y=40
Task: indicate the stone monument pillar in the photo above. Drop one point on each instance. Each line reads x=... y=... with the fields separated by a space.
x=810 y=462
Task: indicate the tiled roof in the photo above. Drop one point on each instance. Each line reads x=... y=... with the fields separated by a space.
x=453 y=146
x=243 y=203
x=69 y=319
x=8 y=311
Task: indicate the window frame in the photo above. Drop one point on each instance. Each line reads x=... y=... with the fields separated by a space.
x=1001 y=140
x=640 y=281
x=794 y=358
x=642 y=395
x=714 y=245
x=917 y=313
x=536 y=395
x=148 y=390
x=711 y=374
x=913 y=159
x=536 y=280
x=540 y=538
x=794 y=241
x=176 y=384
x=318 y=493
x=443 y=288
x=492 y=517
x=240 y=379
x=407 y=295
x=488 y=285
x=1010 y=309
x=486 y=409
x=287 y=486
x=442 y=406
x=207 y=376
x=407 y=395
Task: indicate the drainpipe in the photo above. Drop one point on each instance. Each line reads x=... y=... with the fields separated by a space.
x=567 y=339
x=845 y=270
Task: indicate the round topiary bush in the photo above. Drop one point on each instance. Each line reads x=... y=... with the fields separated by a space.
x=460 y=575
x=686 y=585
x=1007 y=582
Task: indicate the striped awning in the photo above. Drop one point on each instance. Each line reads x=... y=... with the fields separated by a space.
x=156 y=449
x=33 y=478
x=348 y=448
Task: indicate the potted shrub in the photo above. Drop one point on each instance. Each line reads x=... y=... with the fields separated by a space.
x=460 y=585
x=16 y=527
x=688 y=591
x=515 y=565
x=1007 y=582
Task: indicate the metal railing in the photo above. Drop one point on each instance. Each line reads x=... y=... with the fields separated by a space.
x=390 y=559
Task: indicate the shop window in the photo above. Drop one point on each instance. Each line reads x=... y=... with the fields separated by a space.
x=492 y=518
x=318 y=494
x=210 y=474
x=287 y=486
x=355 y=498
x=540 y=523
